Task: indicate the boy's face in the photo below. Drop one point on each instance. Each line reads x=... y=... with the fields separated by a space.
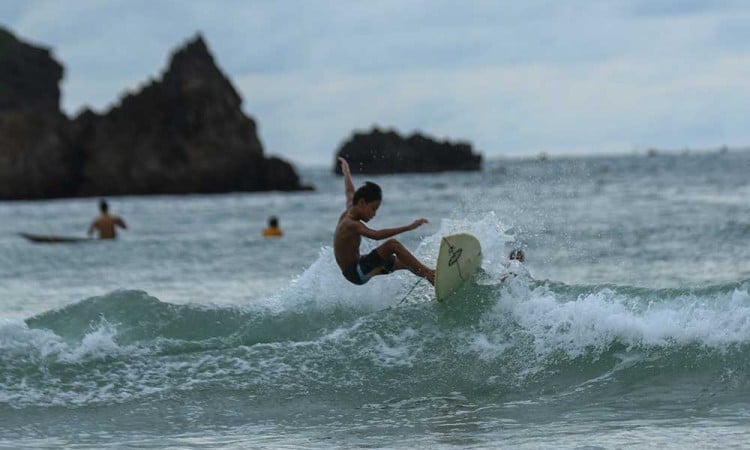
x=368 y=209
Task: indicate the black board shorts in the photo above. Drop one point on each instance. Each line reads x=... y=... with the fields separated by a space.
x=357 y=273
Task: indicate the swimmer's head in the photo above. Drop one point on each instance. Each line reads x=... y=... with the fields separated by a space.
x=517 y=254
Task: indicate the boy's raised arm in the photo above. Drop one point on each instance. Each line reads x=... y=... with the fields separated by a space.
x=348 y=185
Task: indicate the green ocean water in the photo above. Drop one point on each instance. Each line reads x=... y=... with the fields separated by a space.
x=191 y=331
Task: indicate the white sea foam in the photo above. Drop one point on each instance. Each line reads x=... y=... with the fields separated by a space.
x=96 y=344
x=598 y=318
x=40 y=345
x=323 y=286
x=395 y=349
x=17 y=339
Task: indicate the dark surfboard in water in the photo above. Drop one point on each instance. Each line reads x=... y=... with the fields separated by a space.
x=52 y=239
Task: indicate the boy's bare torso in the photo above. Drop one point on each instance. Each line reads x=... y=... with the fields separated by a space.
x=346 y=241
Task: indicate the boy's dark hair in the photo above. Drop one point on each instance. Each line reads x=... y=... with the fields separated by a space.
x=103 y=207
x=273 y=222
x=370 y=192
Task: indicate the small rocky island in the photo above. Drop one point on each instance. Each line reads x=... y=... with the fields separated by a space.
x=385 y=152
x=184 y=133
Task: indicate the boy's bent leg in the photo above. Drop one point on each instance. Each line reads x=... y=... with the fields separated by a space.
x=405 y=260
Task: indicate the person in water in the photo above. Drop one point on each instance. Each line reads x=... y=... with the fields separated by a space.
x=515 y=266
x=273 y=230
x=517 y=255
x=105 y=224
x=361 y=207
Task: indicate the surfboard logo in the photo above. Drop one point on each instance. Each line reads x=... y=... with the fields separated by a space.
x=455 y=255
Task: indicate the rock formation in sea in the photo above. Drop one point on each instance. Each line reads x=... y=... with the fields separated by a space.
x=383 y=152
x=37 y=157
x=183 y=133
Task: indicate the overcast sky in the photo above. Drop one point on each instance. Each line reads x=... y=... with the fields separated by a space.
x=514 y=78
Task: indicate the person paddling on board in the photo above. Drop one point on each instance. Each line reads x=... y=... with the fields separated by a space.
x=105 y=224
x=361 y=206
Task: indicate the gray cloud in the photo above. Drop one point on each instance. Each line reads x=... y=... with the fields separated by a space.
x=513 y=77
x=681 y=7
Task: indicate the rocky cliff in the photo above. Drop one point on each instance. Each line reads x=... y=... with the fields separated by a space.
x=388 y=152
x=183 y=133
x=37 y=157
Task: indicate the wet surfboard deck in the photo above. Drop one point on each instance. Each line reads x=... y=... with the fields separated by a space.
x=459 y=257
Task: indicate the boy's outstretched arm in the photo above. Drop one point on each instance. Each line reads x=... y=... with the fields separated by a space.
x=385 y=233
x=347 y=182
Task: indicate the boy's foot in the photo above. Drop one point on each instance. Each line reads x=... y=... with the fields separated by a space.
x=430 y=276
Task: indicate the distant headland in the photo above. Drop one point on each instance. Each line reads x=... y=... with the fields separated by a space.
x=184 y=133
x=382 y=152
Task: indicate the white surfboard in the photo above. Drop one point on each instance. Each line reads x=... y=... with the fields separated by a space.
x=460 y=256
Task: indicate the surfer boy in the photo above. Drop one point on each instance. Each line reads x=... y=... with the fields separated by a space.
x=105 y=224
x=361 y=206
